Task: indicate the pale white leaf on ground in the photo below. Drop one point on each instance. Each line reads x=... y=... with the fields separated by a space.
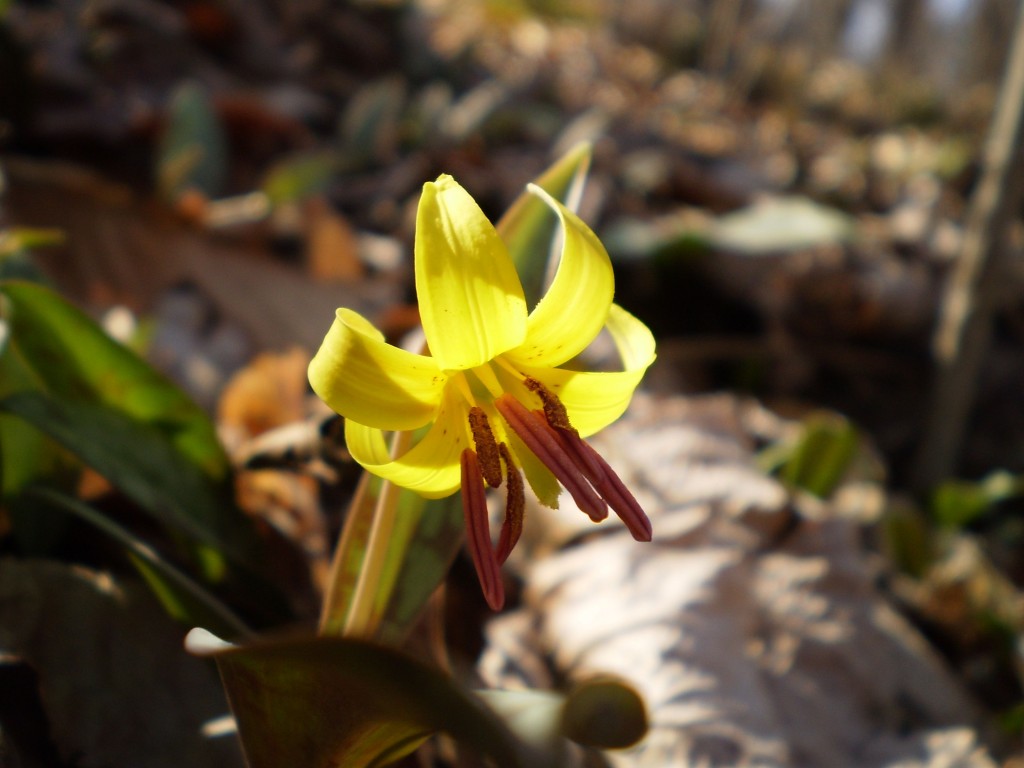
x=757 y=633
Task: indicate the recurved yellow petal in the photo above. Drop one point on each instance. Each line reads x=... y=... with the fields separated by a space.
x=596 y=399
x=371 y=382
x=574 y=308
x=471 y=302
x=431 y=467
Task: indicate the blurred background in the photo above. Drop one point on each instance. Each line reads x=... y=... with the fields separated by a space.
x=789 y=191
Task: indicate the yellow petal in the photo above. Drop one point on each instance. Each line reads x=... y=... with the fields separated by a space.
x=431 y=467
x=471 y=302
x=595 y=400
x=367 y=380
x=575 y=307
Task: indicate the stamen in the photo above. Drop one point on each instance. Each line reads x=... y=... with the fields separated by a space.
x=478 y=531
x=554 y=411
x=486 y=446
x=534 y=431
x=515 y=506
x=570 y=438
x=608 y=484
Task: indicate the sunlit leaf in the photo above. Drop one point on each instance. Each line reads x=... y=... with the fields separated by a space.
x=333 y=701
x=20 y=239
x=26 y=454
x=956 y=503
x=298 y=177
x=71 y=357
x=821 y=455
x=115 y=413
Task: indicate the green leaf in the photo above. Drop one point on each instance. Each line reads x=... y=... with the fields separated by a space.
x=301 y=176
x=819 y=459
x=529 y=226
x=193 y=150
x=109 y=408
x=908 y=539
x=136 y=458
x=182 y=598
x=69 y=356
x=957 y=503
x=199 y=516
x=334 y=701
x=26 y=454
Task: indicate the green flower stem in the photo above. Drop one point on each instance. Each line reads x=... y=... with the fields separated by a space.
x=362 y=619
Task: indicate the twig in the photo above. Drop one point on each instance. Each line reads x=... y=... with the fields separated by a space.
x=972 y=296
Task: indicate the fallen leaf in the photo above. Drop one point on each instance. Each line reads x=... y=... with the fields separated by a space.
x=332 y=245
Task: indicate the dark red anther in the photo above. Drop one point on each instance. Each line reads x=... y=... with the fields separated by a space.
x=535 y=433
x=607 y=482
x=515 y=506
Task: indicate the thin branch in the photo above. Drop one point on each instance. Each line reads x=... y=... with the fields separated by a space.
x=964 y=334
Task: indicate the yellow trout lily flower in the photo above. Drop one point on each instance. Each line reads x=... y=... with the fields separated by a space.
x=490 y=400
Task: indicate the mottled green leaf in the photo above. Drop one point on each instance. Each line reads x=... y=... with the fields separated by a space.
x=334 y=701
x=432 y=540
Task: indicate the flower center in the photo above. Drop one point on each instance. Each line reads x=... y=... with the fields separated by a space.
x=549 y=435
